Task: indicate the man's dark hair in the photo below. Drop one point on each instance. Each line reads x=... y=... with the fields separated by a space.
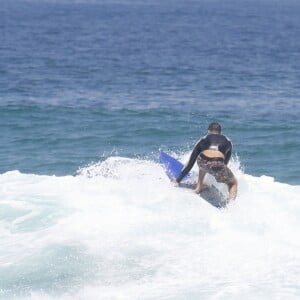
x=215 y=127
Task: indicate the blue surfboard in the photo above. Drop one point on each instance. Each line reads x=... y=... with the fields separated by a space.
x=171 y=165
x=173 y=168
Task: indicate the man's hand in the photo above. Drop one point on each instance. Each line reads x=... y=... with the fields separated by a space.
x=174 y=182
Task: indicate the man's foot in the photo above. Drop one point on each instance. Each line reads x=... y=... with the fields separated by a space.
x=198 y=190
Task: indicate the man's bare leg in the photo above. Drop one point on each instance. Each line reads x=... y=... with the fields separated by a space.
x=200 y=186
x=232 y=189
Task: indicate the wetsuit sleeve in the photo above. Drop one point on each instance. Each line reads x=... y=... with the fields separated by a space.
x=188 y=167
x=228 y=153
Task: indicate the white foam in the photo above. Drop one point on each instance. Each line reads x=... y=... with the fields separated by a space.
x=120 y=230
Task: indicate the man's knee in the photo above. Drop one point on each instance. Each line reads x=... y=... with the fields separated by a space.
x=232 y=182
x=232 y=188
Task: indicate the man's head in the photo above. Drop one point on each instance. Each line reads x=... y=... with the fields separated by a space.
x=214 y=128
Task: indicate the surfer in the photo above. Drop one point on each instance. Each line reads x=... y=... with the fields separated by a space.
x=212 y=153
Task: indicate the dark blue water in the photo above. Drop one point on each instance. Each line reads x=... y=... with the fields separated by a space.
x=81 y=81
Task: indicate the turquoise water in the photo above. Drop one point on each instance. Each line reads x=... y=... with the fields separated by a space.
x=90 y=91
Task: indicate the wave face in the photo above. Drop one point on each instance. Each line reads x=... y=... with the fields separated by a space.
x=119 y=230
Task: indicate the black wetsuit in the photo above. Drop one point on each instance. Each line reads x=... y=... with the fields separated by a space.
x=212 y=141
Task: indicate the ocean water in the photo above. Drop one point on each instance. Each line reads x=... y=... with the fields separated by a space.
x=90 y=91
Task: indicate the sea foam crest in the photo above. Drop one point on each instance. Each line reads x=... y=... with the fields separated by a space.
x=119 y=229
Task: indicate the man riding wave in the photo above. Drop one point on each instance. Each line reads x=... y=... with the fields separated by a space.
x=212 y=153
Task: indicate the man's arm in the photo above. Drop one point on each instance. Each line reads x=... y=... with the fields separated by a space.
x=228 y=154
x=188 y=167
